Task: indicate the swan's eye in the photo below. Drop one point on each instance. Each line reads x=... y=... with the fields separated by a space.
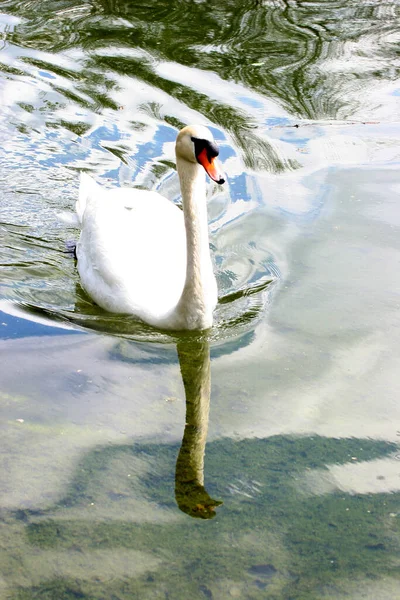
x=211 y=148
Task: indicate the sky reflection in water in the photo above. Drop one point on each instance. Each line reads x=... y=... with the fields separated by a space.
x=302 y=448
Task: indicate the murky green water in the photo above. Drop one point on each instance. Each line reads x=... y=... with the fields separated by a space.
x=260 y=460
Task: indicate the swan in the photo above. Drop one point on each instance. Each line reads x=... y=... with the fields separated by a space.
x=139 y=254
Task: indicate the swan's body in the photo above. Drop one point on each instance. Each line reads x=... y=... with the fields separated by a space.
x=138 y=253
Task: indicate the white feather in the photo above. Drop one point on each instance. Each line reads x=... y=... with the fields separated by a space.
x=132 y=251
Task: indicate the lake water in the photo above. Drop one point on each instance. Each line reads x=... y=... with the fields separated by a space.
x=258 y=460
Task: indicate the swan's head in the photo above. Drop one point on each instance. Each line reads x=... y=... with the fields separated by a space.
x=196 y=144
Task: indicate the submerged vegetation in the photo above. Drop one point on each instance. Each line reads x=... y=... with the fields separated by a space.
x=270 y=539
x=102 y=85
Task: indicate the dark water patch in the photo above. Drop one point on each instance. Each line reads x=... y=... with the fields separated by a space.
x=310 y=555
x=103 y=86
x=263 y=570
x=277 y=48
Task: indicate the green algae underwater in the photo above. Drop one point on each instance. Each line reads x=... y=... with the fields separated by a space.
x=260 y=459
x=330 y=543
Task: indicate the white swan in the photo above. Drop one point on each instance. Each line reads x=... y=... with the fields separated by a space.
x=138 y=253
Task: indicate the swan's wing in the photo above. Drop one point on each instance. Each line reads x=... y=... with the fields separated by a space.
x=132 y=250
x=88 y=190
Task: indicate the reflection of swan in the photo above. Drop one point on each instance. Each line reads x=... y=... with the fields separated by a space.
x=139 y=254
x=190 y=493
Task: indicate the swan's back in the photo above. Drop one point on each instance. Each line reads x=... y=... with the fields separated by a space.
x=132 y=250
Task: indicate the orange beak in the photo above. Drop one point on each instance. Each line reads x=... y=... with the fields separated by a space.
x=212 y=167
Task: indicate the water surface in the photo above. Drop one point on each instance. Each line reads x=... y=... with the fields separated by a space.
x=260 y=460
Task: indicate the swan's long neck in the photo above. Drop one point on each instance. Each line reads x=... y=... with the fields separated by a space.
x=197 y=301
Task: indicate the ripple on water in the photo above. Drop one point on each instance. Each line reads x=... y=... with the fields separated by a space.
x=106 y=87
x=36 y=296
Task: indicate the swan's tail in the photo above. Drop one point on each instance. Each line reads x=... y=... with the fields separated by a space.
x=87 y=189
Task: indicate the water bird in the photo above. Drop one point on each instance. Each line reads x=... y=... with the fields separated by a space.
x=139 y=254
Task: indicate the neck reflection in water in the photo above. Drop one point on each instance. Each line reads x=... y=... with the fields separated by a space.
x=190 y=493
